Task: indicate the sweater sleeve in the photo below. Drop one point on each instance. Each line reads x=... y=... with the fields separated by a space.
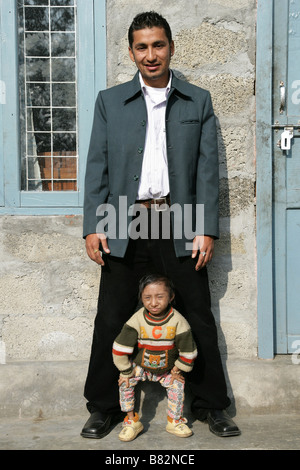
x=187 y=349
x=123 y=348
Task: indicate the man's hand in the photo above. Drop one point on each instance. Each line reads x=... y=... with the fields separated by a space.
x=205 y=246
x=92 y=244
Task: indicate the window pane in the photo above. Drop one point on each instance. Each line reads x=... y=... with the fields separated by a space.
x=64 y=120
x=48 y=97
x=61 y=2
x=64 y=143
x=64 y=185
x=63 y=44
x=43 y=143
x=39 y=169
x=64 y=168
x=38 y=94
x=63 y=94
x=62 y=19
x=63 y=70
x=38 y=119
x=37 y=44
x=36 y=2
x=37 y=70
x=36 y=19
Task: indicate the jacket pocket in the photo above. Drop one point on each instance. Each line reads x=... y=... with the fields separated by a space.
x=190 y=121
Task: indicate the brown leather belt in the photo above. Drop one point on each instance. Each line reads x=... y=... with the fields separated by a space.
x=159 y=204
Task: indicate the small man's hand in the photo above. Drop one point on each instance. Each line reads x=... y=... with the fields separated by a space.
x=176 y=375
x=123 y=380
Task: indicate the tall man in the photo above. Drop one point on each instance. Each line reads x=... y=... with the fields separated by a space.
x=153 y=145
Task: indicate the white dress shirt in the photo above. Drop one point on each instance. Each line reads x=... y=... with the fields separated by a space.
x=154 y=181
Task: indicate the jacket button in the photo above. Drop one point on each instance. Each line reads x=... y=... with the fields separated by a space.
x=143 y=123
x=135 y=177
x=140 y=150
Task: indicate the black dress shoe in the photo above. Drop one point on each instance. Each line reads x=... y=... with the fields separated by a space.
x=221 y=424
x=100 y=424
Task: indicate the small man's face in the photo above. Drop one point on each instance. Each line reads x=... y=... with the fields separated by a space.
x=152 y=52
x=156 y=298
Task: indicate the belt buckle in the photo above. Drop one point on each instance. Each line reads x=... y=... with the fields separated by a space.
x=160 y=207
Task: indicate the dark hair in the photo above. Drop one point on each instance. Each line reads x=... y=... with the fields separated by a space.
x=149 y=19
x=156 y=279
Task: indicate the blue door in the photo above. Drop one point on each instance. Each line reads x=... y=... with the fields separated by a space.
x=278 y=176
x=286 y=174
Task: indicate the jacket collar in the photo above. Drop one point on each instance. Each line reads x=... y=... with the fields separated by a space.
x=135 y=90
x=180 y=86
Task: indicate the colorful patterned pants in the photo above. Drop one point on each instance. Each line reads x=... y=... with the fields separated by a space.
x=175 y=391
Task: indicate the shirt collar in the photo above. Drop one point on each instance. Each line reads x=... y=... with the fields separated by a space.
x=143 y=86
x=177 y=85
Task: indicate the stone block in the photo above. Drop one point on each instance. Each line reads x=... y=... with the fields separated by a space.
x=47 y=338
x=206 y=44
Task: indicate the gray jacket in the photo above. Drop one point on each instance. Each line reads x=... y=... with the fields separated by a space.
x=116 y=152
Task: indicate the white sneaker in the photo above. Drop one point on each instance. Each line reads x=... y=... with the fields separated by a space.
x=131 y=428
x=178 y=427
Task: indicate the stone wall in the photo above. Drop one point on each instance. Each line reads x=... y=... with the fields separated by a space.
x=48 y=286
x=48 y=289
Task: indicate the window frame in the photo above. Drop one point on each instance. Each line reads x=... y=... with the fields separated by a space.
x=91 y=77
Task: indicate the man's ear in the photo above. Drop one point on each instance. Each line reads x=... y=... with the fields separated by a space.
x=131 y=55
x=172 y=48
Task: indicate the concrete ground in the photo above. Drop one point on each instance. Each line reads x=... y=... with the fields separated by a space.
x=42 y=408
x=259 y=432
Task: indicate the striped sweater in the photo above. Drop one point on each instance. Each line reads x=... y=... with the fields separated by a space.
x=161 y=343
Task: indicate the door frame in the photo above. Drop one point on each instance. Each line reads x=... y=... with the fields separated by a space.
x=264 y=192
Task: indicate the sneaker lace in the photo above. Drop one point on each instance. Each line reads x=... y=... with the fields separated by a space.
x=180 y=421
x=127 y=421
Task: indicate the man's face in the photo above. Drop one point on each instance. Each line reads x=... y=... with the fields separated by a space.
x=156 y=298
x=151 y=52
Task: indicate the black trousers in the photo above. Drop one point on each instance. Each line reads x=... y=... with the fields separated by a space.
x=118 y=300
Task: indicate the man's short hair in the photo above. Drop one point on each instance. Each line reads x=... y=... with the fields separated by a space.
x=149 y=19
